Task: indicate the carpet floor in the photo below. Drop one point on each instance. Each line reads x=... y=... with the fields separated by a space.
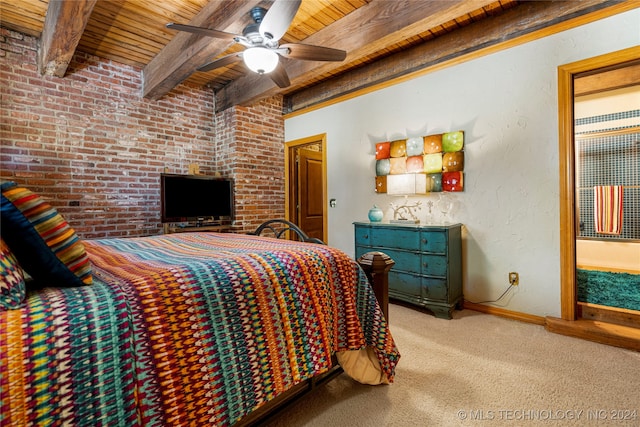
x=481 y=370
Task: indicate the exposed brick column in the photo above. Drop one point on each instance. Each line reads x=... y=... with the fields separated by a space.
x=250 y=149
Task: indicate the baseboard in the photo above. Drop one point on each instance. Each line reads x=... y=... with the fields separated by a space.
x=608 y=333
x=497 y=311
x=597 y=331
x=619 y=316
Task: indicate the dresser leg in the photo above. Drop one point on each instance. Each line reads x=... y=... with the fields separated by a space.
x=442 y=312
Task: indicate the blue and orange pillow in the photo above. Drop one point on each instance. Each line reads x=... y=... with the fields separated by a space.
x=41 y=239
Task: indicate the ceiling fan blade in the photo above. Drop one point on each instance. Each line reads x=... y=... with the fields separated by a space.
x=202 y=31
x=312 y=53
x=279 y=76
x=222 y=62
x=278 y=18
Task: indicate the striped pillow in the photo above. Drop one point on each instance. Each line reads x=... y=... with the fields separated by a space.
x=12 y=288
x=42 y=241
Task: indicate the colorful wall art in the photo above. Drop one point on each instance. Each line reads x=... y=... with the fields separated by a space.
x=421 y=165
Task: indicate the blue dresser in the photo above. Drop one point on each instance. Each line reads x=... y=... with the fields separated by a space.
x=428 y=262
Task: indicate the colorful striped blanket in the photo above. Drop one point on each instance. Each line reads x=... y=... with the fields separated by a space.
x=193 y=329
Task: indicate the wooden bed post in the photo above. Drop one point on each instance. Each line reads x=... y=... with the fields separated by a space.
x=377 y=265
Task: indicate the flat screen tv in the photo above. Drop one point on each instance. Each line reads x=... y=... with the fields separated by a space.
x=195 y=198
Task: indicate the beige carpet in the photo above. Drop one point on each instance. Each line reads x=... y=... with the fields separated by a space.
x=482 y=370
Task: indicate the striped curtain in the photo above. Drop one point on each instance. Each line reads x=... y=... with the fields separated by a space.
x=607 y=205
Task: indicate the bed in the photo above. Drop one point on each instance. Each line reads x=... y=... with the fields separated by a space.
x=180 y=329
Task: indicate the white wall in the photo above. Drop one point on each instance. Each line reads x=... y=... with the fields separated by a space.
x=507 y=105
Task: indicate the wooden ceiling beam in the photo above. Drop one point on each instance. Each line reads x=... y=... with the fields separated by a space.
x=518 y=21
x=381 y=22
x=186 y=51
x=64 y=24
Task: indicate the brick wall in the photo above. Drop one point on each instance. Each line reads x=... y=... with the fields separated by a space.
x=94 y=148
x=256 y=161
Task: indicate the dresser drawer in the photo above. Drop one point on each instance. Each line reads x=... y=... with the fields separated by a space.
x=404 y=261
x=434 y=289
x=434 y=265
x=395 y=238
x=417 y=288
x=433 y=242
x=361 y=250
x=407 y=262
x=363 y=236
x=405 y=284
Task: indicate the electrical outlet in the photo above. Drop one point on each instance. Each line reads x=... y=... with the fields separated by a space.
x=514 y=279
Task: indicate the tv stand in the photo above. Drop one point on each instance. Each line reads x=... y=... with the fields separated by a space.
x=172 y=228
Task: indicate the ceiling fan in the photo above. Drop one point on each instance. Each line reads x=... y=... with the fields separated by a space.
x=261 y=40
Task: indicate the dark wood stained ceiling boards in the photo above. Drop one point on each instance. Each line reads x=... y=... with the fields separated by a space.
x=384 y=39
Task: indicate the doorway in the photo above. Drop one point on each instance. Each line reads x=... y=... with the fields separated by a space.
x=606 y=326
x=306 y=185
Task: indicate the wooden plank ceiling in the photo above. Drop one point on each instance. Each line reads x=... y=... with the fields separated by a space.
x=383 y=39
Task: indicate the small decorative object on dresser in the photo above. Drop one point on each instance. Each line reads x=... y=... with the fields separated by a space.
x=375 y=214
x=428 y=262
x=400 y=213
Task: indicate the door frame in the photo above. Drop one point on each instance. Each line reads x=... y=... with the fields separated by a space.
x=566 y=73
x=289 y=156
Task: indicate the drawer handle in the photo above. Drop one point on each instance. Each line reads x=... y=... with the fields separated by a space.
x=425 y=241
x=366 y=236
x=425 y=264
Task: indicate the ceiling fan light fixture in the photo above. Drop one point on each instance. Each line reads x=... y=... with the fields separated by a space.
x=260 y=60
